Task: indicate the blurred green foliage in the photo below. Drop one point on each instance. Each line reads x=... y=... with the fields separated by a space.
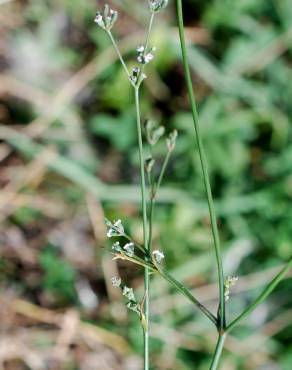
x=58 y=276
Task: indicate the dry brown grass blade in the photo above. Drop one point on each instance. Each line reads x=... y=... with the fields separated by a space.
x=32 y=176
x=85 y=330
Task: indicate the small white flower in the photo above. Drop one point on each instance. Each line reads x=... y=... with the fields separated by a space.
x=145 y=59
x=129 y=249
x=129 y=293
x=116 y=281
x=158 y=255
x=149 y=57
x=99 y=20
x=116 y=247
x=114 y=229
x=106 y=19
x=140 y=49
x=119 y=226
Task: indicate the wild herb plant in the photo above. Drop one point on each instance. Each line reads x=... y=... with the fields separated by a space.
x=144 y=255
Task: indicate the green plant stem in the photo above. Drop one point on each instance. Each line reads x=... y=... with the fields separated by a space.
x=266 y=292
x=154 y=191
x=186 y=293
x=149 y=32
x=204 y=166
x=144 y=203
x=119 y=54
x=218 y=351
x=145 y=234
x=162 y=172
x=151 y=216
x=140 y=78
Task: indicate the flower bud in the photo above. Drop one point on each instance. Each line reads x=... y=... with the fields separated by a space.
x=171 y=140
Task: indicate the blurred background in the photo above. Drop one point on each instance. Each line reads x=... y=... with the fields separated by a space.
x=69 y=157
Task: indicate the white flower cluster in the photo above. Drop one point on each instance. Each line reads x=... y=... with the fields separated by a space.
x=106 y=19
x=143 y=57
x=116 y=281
x=229 y=282
x=128 y=249
x=128 y=293
x=157 y=5
x=114 y=228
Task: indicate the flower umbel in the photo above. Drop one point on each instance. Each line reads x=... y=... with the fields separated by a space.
x=157 y=5
x=144 y=58
x=114 y=228
x=106 y=19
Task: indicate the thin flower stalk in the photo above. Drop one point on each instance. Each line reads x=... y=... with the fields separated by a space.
x=145 y=234
x=204 y=166
x=144 y=201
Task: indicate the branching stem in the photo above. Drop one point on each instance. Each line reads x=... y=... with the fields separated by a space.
x=119 y=54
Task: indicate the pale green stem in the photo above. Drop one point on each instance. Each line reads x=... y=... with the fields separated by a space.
x=186 y=293
x=149 y=31
x=119 y=54
x=162 y=172
x=218 y=351
x=145 y=234
x=204 y=166
x=140 y=78
x=144 y=204
x=154 y=190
